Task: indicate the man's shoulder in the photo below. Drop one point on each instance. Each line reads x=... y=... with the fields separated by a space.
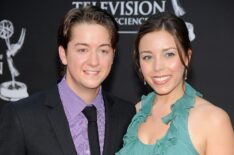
x=35 y=100
x=116 y=100
x=118 y=105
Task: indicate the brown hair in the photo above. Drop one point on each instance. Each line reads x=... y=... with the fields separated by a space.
x=88 y=14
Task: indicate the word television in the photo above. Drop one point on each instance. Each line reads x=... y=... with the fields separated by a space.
x=127 y=12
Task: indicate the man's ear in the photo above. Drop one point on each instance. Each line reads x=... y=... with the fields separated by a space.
x=62 y=55
x=114 y=51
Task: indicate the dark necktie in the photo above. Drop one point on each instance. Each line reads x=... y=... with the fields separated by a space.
x=90 y=113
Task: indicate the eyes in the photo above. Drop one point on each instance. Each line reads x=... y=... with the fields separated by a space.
x=82 y=50
x=104 y=50
x=146 y=57
x=169 y=54
x=149 y=55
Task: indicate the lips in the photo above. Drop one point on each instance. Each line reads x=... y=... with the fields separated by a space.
x=91 y=72
x=159 y=80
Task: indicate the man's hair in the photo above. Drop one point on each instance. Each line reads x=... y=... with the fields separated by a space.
x=88 y=14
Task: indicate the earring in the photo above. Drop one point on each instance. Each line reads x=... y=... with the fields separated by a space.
x=185 y=74
x=144 y=82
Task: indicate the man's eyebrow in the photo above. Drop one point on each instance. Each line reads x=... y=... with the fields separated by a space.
x=83 y=44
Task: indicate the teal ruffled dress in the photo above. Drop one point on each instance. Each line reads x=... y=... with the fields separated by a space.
x=176 y=141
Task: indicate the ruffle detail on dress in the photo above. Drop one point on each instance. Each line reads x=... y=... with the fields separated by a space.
x=167 y=141
x=182 y=105
x=147 y=102
x=179 y=109
x=132 y=136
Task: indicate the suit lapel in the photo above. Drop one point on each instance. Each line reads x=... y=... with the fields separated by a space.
x=108 y=124
x=59 y=123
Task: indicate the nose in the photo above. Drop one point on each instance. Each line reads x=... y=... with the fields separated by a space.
x=158 y=64
x=93 y=59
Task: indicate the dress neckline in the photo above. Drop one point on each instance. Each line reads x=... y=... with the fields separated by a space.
x=179 y=107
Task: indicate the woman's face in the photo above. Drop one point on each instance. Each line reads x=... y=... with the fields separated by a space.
x=160 y=63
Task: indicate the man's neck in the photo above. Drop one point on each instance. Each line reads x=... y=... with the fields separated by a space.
x=86 y=94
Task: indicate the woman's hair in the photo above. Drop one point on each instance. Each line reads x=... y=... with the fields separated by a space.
x=173 y=25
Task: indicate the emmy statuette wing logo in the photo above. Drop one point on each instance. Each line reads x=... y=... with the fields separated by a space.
x=12 y=90
x=179 y=11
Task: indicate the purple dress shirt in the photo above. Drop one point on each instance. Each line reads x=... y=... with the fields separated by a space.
x=73 y=106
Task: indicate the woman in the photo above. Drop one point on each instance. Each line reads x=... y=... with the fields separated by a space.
x=173 y=119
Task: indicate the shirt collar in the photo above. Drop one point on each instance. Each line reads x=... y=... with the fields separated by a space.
x=73 y=103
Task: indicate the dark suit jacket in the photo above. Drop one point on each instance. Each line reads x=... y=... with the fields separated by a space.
x=38 y=125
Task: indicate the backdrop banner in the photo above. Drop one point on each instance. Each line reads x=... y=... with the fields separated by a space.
x=28 y=52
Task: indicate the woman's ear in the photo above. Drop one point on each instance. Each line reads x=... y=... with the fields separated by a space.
x=140 y=71
x=62 y=55
x=189 y=57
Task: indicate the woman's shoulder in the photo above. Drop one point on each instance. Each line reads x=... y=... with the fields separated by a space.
x=208 y=122
x=208 y=111
x=138 y=106
x=210 y=118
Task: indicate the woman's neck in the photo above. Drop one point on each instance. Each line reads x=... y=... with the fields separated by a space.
x=171 y=97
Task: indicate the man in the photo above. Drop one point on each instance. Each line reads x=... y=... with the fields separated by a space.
x=53 y=122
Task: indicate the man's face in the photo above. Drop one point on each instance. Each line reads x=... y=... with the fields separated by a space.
x=88 y=57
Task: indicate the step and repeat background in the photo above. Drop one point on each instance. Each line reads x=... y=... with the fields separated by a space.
x=28 y=46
